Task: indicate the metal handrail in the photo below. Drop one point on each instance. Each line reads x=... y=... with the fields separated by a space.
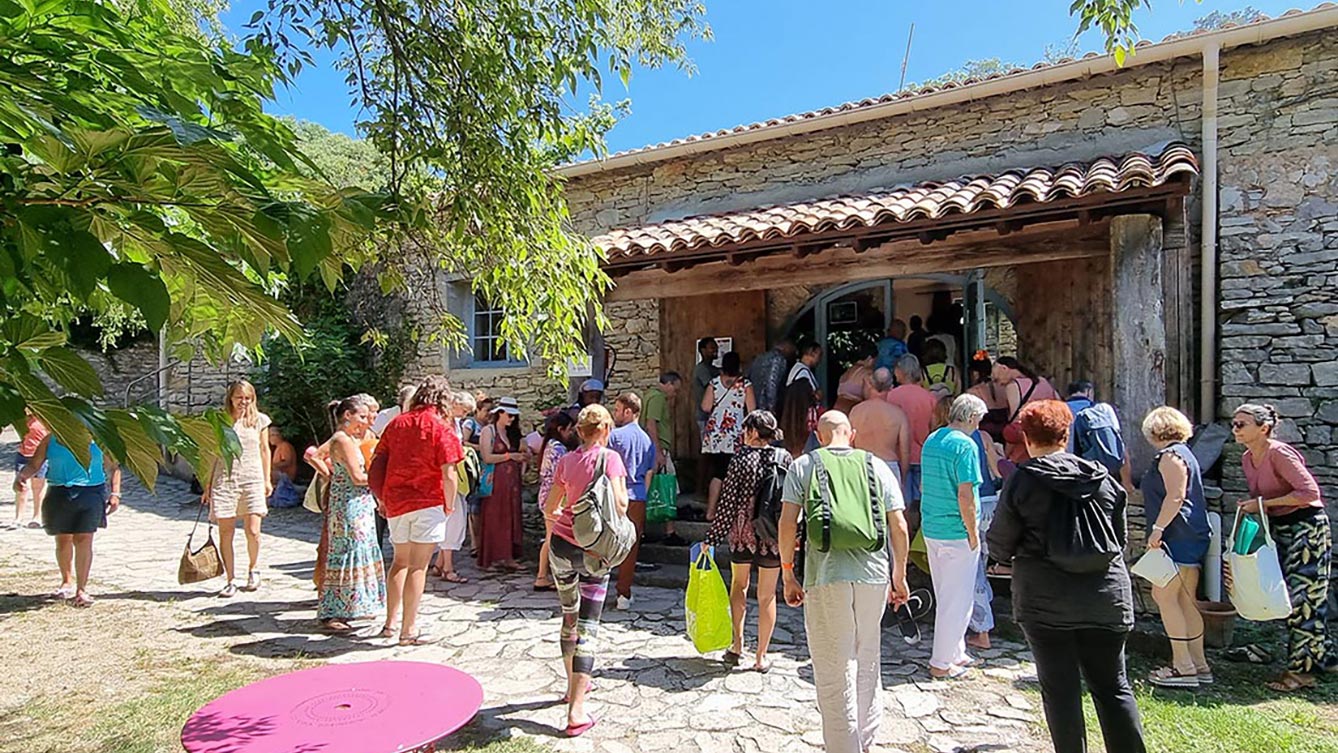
x=156 y=372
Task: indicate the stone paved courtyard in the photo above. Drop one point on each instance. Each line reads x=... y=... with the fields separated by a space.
x=654 y=692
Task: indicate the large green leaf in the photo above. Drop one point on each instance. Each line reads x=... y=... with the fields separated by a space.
x=58 y=418
x=142 y=289
x=141 y=451
x=84 y=261
x=71 y=371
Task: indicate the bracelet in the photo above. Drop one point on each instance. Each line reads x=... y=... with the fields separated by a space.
x=114 y=494
x=1158 y=529
x=787 y=565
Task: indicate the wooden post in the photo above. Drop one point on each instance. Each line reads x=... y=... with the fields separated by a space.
x=1139 y=327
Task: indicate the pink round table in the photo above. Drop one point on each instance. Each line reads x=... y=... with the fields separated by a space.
x=372 y=707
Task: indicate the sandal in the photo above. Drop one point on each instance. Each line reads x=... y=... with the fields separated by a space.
x=590 y=688
x=336 y=626
x=1205 y=675
x=1250 y=653
x=450 y=576
x=63 y=593
x=576 y=730
x=762 y=668
x=82 y=600
x=731 y=658
x=542 y=587
x=956 y=672
x=1290 y=682
x=1170 y=677
x=388 y=631
x=422 y=639
x=434 y=570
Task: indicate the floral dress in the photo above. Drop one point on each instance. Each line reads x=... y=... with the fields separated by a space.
x=354 y=585
x=733 y=522
x=723 y=434
x=553 y=452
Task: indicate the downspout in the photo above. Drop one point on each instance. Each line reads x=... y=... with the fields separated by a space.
x=1208 y=292
x=1208 y=237
x=162 y=367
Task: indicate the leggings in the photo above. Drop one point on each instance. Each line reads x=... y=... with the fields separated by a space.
x=581 y=594
x=1304 y=550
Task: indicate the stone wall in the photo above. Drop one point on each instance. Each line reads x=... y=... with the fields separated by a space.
x=190 y=387
x=1279 y=246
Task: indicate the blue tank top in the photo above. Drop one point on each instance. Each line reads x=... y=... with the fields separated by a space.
x=1192 y=522
x=987 y=484
x=64 y=470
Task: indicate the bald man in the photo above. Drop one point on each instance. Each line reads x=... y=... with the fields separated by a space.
x=845 y=590
x=881 y=427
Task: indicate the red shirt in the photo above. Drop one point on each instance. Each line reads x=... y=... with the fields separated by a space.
x=918 y=403
x=35 y=434
x=416 y=445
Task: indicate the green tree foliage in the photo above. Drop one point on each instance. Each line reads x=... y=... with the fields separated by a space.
x=972 y=69
x=140 y=171
x=473 y=102
x=343 y=160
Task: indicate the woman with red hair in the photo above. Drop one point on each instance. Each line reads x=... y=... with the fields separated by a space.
x=1060 y=520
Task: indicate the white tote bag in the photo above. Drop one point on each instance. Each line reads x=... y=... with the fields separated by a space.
x=1156 y=566
x=1258 y=589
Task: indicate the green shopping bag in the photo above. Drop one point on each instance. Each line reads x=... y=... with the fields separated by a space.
x=707 y=604
x=662 y=498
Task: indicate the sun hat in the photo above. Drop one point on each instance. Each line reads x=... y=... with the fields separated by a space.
x=592 y=385
x=507 y=404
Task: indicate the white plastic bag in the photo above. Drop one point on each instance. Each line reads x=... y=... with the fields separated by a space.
x=1156 y=566
x=1258 y=588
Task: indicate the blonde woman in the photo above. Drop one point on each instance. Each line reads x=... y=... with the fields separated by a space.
x=238 y=495
x=1178 y=514
x=581 y=592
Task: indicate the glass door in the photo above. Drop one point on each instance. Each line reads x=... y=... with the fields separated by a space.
x=850 y=321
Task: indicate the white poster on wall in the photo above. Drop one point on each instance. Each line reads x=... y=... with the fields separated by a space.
x=723 y=344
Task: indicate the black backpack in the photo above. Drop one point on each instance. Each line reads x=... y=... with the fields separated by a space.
x=768 y=493
x=1081 y=535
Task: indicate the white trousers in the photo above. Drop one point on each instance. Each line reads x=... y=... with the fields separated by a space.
x=952 y=565
x=456 y=523
x=844 y=626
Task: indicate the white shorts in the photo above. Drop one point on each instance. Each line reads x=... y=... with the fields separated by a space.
x=425 y=526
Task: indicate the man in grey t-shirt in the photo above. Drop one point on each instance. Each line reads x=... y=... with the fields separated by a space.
x=844 y=594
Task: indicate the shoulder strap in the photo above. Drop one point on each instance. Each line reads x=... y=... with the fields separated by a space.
x=1023 y=403
x=824 y=510
x=875 y=500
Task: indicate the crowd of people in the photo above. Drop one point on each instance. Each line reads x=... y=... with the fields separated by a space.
x=993 y=474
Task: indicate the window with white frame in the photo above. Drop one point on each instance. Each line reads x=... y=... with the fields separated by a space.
x=486 y=335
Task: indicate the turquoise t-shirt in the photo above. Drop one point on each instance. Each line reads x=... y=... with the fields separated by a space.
x=950 y=458
x=64 y=470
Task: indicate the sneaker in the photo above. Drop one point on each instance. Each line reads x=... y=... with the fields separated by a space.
x=674 y=539
x=252 y=581
x=624 y=603
x=228 y=591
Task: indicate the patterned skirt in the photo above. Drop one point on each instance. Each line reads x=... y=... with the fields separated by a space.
x=354 y=583
x=1305 y=550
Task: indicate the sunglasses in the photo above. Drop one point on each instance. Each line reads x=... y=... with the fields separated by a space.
x=1240 y=424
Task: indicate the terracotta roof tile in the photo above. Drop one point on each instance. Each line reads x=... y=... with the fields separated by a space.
x=924 y=90
x=930 y=200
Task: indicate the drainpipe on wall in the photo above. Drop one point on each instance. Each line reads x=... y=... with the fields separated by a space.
x=1208 y=236
x=162 y=367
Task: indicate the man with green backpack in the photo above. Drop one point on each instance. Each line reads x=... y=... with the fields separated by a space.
x=851 y=507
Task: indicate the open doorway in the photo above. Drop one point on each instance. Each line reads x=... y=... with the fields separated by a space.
x=850 y=319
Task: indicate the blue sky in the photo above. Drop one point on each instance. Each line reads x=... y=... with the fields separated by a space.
x=774 y=57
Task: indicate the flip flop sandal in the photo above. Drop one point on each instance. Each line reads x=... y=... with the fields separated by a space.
x=387 y=632
x=968 y=662
x=1290 y=682
x=82 y=600
x=454 y=577
x=544 y=588
x=956 y=672
x=731 y=659
x=920 y=602
x=576 y=730
x=1170 y=677
x=434 y=570
x=64 y=594
x=337 y=627
x=762 y=668
x=588 y=690
x=1206 y=676
x=418 y=640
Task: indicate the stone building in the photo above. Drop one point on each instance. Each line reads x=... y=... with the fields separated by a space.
x=1168 y=229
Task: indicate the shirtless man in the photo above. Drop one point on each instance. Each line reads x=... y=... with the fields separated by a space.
x=881 y=427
